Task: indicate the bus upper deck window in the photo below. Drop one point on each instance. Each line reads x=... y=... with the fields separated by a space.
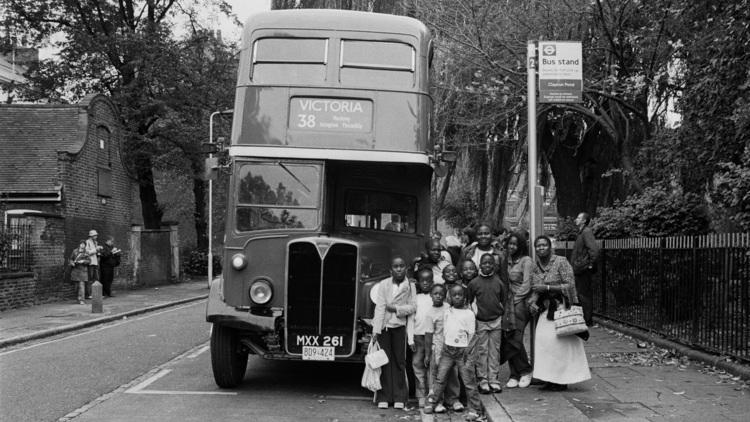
x=283 y=60
x=382 y=63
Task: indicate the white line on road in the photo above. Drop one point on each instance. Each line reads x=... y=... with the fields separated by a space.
x=177 y=393
x=197 y=352
x=348 y=398
x=103 y=327
x=148 y=381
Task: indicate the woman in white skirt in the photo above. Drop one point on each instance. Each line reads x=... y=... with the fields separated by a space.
x=557 y=360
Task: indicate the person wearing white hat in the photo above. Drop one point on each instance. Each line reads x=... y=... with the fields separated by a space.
x=92 y=251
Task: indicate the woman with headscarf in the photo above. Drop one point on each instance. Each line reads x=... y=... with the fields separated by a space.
x=557 y=360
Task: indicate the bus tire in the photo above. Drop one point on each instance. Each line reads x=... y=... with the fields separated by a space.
x=228 y=360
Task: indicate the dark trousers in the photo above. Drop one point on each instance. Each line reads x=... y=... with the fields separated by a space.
x=518 y=359
x=393 y=374
x=585 y=292
x=107 y=274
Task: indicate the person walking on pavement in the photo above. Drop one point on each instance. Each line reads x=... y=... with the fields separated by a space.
x=92 y=251
x=79 y=262
x=109 y=259
x=584 y=258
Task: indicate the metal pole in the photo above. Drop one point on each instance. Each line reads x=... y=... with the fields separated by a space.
x=531 y=139
x=210 y=203
x=531 y=48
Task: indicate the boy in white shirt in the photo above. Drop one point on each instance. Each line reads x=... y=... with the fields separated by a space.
x=416 y=334
x=459 y=325
x=434 y=341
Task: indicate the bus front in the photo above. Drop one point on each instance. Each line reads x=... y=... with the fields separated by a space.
x=330 y=179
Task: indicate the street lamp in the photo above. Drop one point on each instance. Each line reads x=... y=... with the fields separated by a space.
x=211 y=196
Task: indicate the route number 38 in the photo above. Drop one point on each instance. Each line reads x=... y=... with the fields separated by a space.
x=306 y=120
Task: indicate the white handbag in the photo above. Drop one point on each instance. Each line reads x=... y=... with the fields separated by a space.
x=376 y=356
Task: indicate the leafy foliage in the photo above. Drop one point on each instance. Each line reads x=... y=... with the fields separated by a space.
x=655 y=212
x=731 y=191
x=196 y=263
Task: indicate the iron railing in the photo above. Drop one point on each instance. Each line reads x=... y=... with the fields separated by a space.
x=692 y=289
x=15 y=248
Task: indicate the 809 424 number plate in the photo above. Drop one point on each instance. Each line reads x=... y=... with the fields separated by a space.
x=318 y=353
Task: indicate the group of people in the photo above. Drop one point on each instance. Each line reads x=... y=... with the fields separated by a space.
x=92 y=262
x=466 y=314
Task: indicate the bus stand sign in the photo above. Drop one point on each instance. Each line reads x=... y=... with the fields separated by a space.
x=560 y=72
x=330 y=114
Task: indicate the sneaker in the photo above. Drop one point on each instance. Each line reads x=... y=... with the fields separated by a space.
x=471 y=415
x=398 y=405
x=80 y=302
x=440 y=408
x=458 y=407
x=427 y=409
x=512 y=383
x=382 y=405
x=484 y=388
x=88 y=297
x=525 y=381
x=496 y=388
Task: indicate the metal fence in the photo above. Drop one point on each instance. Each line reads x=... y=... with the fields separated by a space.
x=15 y=248
x=692 y=289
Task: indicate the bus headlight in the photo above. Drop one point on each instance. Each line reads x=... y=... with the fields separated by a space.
x=261 y=292
x=239 y=261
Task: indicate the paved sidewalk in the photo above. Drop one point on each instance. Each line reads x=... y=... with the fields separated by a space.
x=630 y=383
x=24 y=324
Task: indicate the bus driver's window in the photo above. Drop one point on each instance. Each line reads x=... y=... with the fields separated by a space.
x=380 y=211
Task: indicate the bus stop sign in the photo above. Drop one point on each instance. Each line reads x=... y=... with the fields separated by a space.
x=560 y=72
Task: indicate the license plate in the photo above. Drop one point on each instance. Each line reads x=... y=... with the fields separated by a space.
x=317 y=353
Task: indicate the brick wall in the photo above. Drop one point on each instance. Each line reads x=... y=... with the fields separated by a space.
x=16 y=290
x=84 y=208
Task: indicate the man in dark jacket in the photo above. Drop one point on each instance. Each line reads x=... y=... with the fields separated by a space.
x=110 y=258
x=585 y=256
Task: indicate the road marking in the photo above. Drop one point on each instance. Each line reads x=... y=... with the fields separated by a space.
x=177 y=393
x=148 y=381
x=105 y=326
x=357 y=398
x=140 y=387
x=197 y=352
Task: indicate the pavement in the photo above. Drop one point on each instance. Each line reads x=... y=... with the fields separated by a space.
x=632 y=379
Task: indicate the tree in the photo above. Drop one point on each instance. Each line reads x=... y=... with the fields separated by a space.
x=124 y=48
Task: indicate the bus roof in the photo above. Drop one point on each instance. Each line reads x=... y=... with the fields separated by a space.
x=334 y=20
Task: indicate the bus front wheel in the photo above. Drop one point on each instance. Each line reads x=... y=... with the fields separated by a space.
x=228 y=360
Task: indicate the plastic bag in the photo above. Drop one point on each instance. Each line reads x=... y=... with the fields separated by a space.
x=371 y=376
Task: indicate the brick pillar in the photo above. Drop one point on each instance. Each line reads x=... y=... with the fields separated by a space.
x=135 y=253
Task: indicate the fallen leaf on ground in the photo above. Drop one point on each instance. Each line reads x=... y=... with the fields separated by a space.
x=679 y=393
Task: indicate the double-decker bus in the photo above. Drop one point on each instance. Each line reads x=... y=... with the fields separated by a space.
x=330 y=178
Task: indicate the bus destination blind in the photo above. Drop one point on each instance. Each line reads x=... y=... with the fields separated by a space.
x=330 y=114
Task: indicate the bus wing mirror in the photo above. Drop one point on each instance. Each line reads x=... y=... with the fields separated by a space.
x=211 y=168
x=449 y=156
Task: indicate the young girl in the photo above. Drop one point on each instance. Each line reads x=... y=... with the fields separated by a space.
x=458 y=342
x=396 y=301
x=520 y=266
x=490 y=295
x=79 y=262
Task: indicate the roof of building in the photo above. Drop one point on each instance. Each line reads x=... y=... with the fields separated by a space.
x=31 y=135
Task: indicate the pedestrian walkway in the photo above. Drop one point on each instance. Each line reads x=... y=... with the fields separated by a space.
x=24 y=324
x=630 y=383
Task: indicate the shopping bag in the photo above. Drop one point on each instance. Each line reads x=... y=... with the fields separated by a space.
x=371 y=376
x=569 y=322
x=376 y=356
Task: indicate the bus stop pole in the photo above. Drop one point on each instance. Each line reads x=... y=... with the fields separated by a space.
x=531 y=49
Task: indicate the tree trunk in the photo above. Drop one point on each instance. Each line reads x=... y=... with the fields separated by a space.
x=149 y=204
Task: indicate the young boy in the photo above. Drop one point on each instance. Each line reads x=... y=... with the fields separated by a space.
x=489 y=292
x=468 y=272
x=434 y=342
x=416 y=334
x=458 y=342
